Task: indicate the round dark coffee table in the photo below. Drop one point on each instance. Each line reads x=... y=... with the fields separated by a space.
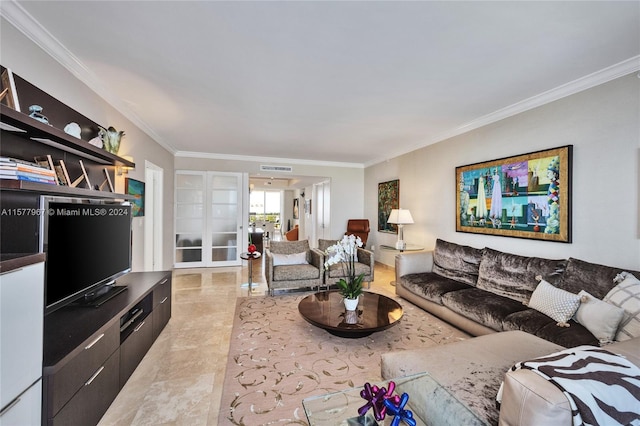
x=326 y=310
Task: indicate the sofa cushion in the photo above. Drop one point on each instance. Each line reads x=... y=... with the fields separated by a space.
x=626 y=295
x=529 y=320
x=295 y=272
x=487 y=308
x=289 y=247
x=574 y=335
x=590 y=277
x=431 y=286
x=514 y=276
x=555 y=302
x=457 y=262
x=336 y=271
x=289 y=259
x=600 y=318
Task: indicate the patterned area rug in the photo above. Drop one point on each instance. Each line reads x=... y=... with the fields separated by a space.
x=276 y=358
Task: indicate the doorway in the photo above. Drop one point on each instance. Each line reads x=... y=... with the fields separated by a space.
x=154 y=176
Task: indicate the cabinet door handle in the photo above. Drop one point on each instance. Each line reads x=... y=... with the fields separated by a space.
x=164 y=300
x=10 y=406
x=94 y=376
x=94 y=342
x=138 y=327
x=164 y=281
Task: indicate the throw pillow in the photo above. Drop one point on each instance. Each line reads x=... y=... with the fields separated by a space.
x=600 y=318
x=554 y=302
x=626 y=295
x=289 y=259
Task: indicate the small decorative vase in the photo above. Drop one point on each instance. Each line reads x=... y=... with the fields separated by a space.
x=111 y=139
x=350 y=304
x=351 y=317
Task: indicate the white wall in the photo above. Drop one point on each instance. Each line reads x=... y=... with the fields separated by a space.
x=347 y=184
x=601 y=123
x=34 y=65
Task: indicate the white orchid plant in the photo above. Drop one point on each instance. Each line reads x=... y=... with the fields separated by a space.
x=344 y=252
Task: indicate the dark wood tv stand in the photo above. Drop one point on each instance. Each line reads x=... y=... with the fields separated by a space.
x=90 y=352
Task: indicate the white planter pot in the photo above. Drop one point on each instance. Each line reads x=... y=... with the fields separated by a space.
x=350 y=304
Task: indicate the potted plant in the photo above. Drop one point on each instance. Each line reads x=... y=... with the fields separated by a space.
x=344 y=252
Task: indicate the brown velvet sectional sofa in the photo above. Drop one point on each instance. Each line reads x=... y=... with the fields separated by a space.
x=482 y=291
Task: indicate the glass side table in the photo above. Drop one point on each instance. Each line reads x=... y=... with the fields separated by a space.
x=430 y=402
x=408 y=247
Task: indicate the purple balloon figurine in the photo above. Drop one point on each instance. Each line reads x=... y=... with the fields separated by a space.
x=375 y=397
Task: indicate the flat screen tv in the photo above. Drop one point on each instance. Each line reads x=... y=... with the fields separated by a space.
x=88 y=245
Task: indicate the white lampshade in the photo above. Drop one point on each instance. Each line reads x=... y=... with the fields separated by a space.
x=400 y=217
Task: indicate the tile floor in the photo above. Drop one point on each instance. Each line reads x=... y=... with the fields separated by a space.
x=180 y=380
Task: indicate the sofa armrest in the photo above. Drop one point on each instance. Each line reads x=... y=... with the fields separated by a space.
x=530 y=400
x=317 y=259
x=413 y=263
x=268 y=265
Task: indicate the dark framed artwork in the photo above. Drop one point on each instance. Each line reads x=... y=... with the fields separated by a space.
x=388 y=199
x=135 y=188
x=296 y=208
x=525 y=196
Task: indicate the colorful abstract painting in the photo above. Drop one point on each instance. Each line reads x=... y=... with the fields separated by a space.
x=388 y=198
x=135 y=188
x=526 y=196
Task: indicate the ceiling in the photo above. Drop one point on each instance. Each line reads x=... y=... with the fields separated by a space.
x=331 y=82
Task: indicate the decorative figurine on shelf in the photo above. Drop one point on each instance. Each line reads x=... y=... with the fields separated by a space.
x=111 y=139
x=73 y=129
x=36 y=111
x=97 y=142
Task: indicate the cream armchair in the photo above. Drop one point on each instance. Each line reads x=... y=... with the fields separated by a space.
x=364 y=265
x=293 y=265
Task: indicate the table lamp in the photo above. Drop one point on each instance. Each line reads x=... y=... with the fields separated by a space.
x=400 y=217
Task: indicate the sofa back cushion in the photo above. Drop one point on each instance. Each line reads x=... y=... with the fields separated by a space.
x=514 y=276
x=290 y=247
x=595 y=279
x=323 y=245
x=457 y=262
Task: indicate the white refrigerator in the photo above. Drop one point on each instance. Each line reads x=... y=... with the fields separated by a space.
x=21 y=325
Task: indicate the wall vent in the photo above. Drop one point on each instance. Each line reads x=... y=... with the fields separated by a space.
x=287 y=169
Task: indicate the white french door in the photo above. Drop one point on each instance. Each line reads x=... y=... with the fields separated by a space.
x=208 y=219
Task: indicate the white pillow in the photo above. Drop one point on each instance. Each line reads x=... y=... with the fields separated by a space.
x=600 y=318
x=554 y=302
x=289 y=259
x=626 y=295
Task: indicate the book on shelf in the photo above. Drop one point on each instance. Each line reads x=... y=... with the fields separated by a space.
x=25 y=166
x=28 y=178
x=62 y=179
x=45 y=161
x=26 y=174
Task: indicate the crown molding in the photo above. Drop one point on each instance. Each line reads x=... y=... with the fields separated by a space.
x=261 y=159
x=32 y=29
x=17 y=16
x=597 y=78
